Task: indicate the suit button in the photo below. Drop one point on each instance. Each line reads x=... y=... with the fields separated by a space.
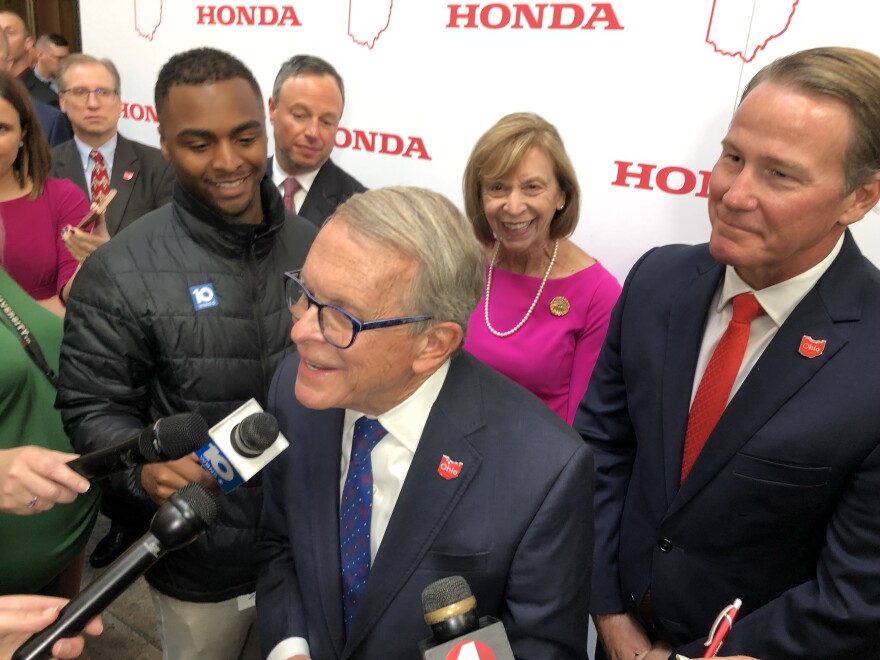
x=665 y=545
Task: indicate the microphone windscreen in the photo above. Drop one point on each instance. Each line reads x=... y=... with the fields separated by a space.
x=174 y=437
x=445 y=592
x=255 y=434
x=203 y=502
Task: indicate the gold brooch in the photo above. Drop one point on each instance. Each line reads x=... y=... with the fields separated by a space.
x=559 y=306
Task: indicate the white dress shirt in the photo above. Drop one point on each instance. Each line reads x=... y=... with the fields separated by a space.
x=390 y=459
x=778 y=301
x=305 y=182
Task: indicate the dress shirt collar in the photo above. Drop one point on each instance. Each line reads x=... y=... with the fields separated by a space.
x=406 y=421
x=780 y=299
x=305 y=180
x=107 y=150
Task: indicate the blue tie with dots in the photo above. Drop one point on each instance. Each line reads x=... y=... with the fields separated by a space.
x=354 y=515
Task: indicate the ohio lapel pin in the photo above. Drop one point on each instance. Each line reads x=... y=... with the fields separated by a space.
x=127 y=175
x=811 y=348
x=449 y=469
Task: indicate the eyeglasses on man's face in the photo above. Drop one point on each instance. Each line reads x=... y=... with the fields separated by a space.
x=81 y=94
x=337 y=326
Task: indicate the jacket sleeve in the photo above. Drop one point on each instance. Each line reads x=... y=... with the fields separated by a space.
x=546 y=612
x=104 y=376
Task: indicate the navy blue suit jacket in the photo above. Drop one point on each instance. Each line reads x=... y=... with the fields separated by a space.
x=331 y=187
x=143 y=179
x=516 y=523
x=780 y=508
x=55 y=124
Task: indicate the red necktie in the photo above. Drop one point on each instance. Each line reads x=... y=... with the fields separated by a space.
x=100 y=185
x=291 y=186
x=714 y=388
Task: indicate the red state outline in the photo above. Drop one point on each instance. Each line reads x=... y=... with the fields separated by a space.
x=148 y=37
x=740 y=53
x=369 y=44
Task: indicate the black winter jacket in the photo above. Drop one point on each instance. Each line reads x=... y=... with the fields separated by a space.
x=136 y=348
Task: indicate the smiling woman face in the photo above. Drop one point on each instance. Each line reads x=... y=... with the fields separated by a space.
x=519 y=208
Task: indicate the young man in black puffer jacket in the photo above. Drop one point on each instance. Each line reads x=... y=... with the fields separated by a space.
x=185 y=311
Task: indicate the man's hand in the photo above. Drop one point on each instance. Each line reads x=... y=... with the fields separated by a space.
x=679 y=656
x=659 y=651
x=622 y=637
x=160 y=480
x=21 y=616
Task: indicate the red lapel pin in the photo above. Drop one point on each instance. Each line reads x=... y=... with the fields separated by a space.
x=128 y=175
x=449 y=469
x=811 y=348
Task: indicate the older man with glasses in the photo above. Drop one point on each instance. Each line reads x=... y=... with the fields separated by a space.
x=410 y=460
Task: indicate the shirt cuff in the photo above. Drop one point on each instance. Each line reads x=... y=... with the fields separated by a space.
x=289 y=647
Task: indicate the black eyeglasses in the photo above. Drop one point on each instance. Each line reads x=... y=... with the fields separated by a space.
x=338 y=326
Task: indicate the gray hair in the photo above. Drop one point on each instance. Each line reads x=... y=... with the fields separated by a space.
x=77 y=59
x=428 y=227
x=303 y=65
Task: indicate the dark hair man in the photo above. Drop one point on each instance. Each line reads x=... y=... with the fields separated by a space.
x=305 y=108
x=41 y=81
x=142 y=177
x=20 y=41
x=470 y=473
x=733 y=409
x=184 y=311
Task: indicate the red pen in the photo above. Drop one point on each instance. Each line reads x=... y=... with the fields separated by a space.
x=720 y=628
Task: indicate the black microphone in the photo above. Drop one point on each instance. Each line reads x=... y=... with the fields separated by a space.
x=166 y=439
x=178 y=522
x=451 y=612
x=254 y=434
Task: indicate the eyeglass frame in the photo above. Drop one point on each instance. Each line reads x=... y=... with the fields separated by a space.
x=357 y=326
x=101 y=93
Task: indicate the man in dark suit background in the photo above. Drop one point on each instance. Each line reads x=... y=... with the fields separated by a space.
x=510 y=512
x=141 y=176
x=41 y=80
x=20 y=41
x=778 y=506
x=305 y=108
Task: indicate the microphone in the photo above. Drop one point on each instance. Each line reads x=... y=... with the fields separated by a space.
x=458 y=634
x=166 y=439
x=178 y=522
x=241 y=445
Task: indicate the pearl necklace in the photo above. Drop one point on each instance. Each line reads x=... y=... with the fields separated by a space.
x=534 y=302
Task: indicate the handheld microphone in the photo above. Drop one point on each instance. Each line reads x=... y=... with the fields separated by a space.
x=178 y=522
x=166 y=439
x=451 y=612
x=241 y=445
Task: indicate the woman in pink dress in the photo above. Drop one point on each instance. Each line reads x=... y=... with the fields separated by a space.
x=545 y=309
x=35 y=209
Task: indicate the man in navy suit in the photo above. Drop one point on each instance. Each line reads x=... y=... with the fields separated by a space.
x=779 y=506
x=474 y=476
x=305 y=108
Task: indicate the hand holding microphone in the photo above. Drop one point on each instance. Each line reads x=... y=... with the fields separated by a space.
x=20 y=616
x=34 y=479
x=177 y=523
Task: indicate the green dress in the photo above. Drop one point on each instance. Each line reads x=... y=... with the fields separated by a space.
x=35 y=549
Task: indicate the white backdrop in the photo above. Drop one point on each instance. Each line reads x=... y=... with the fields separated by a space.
x=650 y=82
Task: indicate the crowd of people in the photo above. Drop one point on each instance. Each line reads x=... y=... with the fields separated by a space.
x=464 y=393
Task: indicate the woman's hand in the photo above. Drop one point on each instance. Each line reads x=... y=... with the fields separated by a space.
x=21 y=616
x=82 y=243
x=34 y=479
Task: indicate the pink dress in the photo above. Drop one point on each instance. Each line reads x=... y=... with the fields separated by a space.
x=552 y=356
x=34 y=254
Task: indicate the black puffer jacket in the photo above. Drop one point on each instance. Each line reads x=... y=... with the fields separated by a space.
x=136 y=349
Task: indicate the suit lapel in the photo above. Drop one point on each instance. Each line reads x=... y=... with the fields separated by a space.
x=70 y=166
x=781 y=370
x=125 y=164
x=323 y=196
x=322 y=491
x=687 y=322
x=427 y=499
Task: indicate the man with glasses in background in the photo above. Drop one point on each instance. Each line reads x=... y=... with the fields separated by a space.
x=98 y=159
x=410 y=460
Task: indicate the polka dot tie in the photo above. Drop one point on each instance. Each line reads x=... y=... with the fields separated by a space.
x=354 y=515
x=100 y=184
x=291 y=187
x=717 y=381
